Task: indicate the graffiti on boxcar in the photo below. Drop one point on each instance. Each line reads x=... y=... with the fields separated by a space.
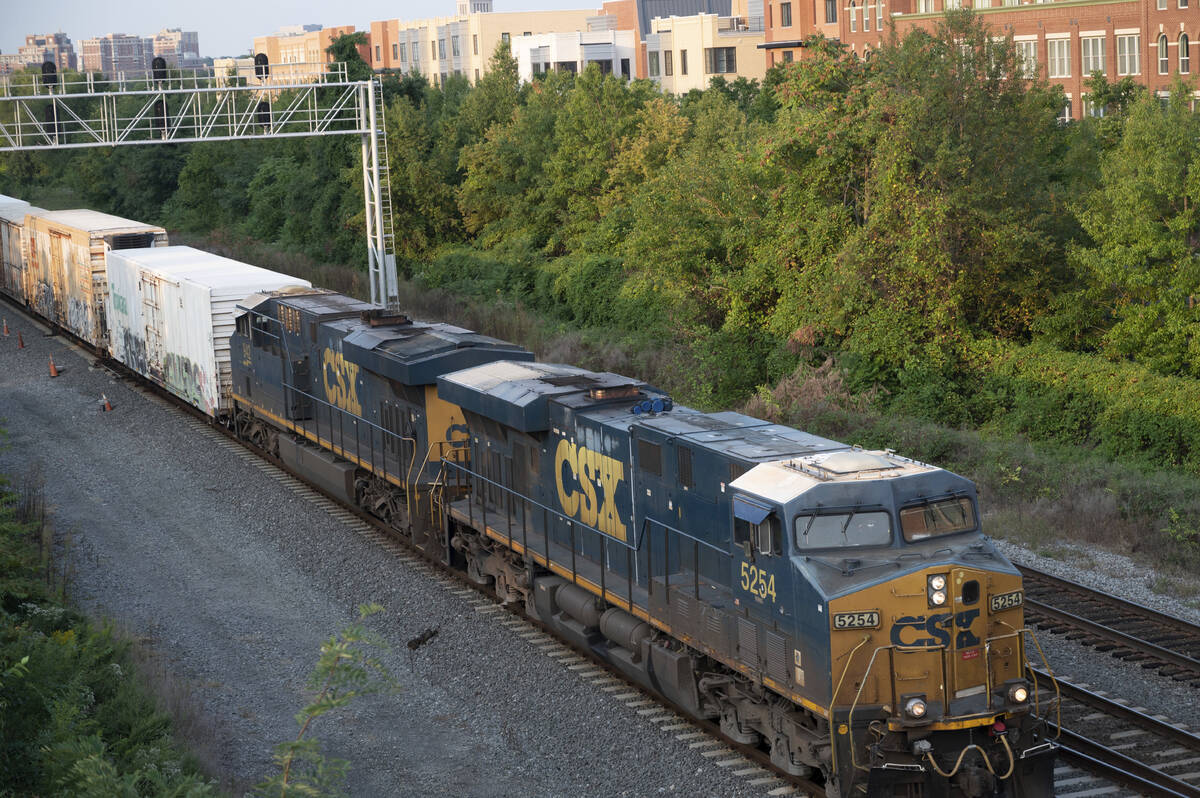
x=185 y=379
x=79 y=317
x=135 y=352
x=43 y=300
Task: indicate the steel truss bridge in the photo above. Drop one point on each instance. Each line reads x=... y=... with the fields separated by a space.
x=281 y=101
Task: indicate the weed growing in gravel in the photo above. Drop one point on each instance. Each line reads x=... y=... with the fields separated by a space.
x=345 y=671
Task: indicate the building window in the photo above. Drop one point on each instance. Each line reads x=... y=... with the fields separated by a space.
x=476 y=75
x=879 y=15
x=668 y=67
x=416 y=54
x=1164 y=57
x=787 y=56
x=1185 y=54
x=1162 y=5
x=1091 y=109
x=1064 y=115
x=454 y=50
x=925 y=7
x=625 y=68
x=720 y=60
x=1059 y=55
x=830 y=11
x=1183 y=3
x=395 y=52
x=1128 y=55
x=853 y=18
x=683 y=62
x=652 y=63
x=1092 y=49
x=866 y=15
x=1027 y=57
x=475 y=43
x=505 y=38
x=378 y=53
x=442 y=49
x=785 y=15
x=433 y=50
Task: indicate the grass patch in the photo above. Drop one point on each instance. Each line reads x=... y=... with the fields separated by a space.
x=74 y=718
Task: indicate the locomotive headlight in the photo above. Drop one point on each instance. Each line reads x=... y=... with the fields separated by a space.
x=936 y=589
x=915 y=708
x=1018 y=694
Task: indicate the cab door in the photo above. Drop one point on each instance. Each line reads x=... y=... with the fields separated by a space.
x=759 y=558
x=967 y=632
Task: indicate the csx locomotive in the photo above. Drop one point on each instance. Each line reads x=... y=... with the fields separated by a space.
x=837 y=607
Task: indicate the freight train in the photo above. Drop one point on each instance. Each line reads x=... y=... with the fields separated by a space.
x=838 y=608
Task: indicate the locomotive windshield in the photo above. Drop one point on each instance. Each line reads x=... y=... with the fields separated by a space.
x=934 y=519
x=843 y=529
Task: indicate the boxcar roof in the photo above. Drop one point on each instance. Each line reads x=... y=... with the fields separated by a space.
x=204 y=268
x=94 y=221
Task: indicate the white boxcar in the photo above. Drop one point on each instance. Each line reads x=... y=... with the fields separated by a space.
x=170 y=314
x=12 y=250
x=64 y=269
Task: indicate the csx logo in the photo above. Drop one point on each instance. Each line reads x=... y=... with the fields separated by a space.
x=341 y=381
x=935 y=630
x=577 y=489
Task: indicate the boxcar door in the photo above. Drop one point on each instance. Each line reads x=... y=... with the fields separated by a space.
x=151 y=291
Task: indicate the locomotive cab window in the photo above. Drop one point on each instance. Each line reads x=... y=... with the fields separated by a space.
x=839 y=530
x=935 y=519
x=758 y=526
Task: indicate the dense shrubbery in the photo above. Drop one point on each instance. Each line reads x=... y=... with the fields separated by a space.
x=73 y=718
x=922 y=216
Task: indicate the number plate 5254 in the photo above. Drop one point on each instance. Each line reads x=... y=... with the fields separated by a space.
x=1005 y=601
x=867 y=619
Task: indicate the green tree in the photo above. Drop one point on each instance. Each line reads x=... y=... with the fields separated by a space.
x=344 y=49
x=1143 y=268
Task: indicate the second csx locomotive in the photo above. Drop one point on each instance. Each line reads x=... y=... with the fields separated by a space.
x=839 y=608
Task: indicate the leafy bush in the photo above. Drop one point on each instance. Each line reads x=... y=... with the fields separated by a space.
x=73 y=718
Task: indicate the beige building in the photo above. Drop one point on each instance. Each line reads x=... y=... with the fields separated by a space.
x=116 y=53
x=613 y=51
x=462 y=44
x=180 y=48
x=685 y=53
x=299 y=52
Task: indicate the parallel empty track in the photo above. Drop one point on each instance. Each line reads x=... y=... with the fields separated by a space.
x=1131 y=632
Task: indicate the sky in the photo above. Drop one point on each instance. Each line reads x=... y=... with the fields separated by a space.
x=226 y=27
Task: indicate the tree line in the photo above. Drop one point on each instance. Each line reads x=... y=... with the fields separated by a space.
x=923 y=217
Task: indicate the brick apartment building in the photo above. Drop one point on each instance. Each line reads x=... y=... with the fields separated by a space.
x=1151 y=41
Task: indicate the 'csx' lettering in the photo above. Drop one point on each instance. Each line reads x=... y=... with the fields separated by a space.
x=938 y=627
x=341 y=382
x=576 y=470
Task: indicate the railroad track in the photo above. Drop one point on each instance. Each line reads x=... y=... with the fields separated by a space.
x=705 y=738
x=1128 y=631
x=1121 y=744
x=1125 y=746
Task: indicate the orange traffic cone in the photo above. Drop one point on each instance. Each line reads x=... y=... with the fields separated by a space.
x=53 y=368
x=20 y=341
x=107 y=404
x=6 y=328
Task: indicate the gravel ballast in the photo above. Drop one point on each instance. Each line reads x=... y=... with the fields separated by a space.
x=234 y=581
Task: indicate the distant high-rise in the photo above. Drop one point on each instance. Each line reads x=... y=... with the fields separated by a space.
x=180 y=48
x=54 y=47
x=40 y=48
x=116 y=52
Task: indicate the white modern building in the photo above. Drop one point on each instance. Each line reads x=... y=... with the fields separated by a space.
x=614 y=51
